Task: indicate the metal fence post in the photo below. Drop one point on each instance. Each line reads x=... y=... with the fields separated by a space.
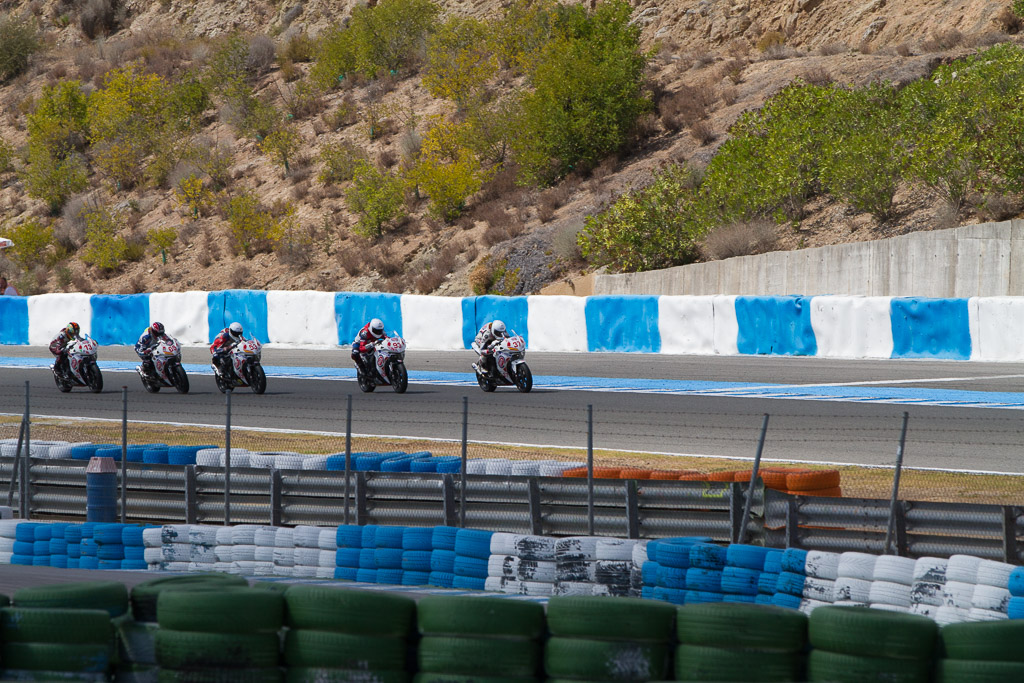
x=896 y=485
x=124 y=453
x=227 y=458
x=632 y=510
x=462 y=465
x=15 y=467
x=275 y=497
x=590 y=469
x=348 y=452
x=753 y=477
x=533 y=501
x=23 y=503
x=191 y=504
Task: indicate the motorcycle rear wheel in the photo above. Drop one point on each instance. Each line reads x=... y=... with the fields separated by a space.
x=94 y=378
x=180 y=379
x=486 y=383
x=524 y=379
x=399 y=377
x=257 y=379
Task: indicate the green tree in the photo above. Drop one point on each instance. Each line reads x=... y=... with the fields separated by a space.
x=104 y=247
x=59 y=123
x=519 y=36
x=281 y=145
x=459 y=61
x=31 y=238
x=6 y=155
x=340 y=160
x=192 y=193
x=587 y=93
x=376 y=196
x=253 y=228
x=19 y=40
x=447 y=171
x=162 y=239
x=52 y=179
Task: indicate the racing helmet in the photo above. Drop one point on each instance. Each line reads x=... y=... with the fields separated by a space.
x=72 y=329
x=235 y=330
x=157 y=329
x=377 y=327
x=498 y=329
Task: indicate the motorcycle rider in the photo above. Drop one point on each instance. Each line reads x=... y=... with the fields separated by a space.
x=362 y=345
x=59 y=346
x=222 y=345
x=147 y=342
x=487 y=338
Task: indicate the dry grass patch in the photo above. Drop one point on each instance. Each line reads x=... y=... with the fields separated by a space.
x=739 y=239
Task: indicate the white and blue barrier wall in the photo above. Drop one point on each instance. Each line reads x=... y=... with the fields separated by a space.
x=988 y=328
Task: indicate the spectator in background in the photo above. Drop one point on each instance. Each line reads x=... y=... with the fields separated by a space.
x=6 y=288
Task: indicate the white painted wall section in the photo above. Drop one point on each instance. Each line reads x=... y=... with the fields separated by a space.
x=304 y=317
x=997 y=328
x=432 y=322
x=727 y=329
x=852 y=326
x=185 y=315
x=687 y=324
x=557 y=323
x=48 y=313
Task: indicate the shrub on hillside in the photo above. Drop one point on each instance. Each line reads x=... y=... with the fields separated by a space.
x=253 y=228
x=53 y=179
x=459 y=61
x=739 y=239
x=6 y=156
x=376 y=196
x=104 y=247
x=98 y=18
x=19 y=40
x=193 y=194
x=31 y=238
x=518 y=37
x=447 y=171
x=339 y=161
x=162 y=239
x=281 y=145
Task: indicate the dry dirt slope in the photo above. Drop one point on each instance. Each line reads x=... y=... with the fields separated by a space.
x=697 y=47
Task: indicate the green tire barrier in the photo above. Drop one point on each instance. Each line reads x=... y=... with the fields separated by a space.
x=453 y=678
x=80 y=657
x=605 y=660
x=305 y=675
x=136 y=642
x=611 y=618
x=325 y=649
x=838 y=668
x=50 y=676
x=267 y=675
x=228 y=609
x=995 y=641
x=109 y=596
x=872 y=633
x=144 y=595
x=968 y=671
x=699 y=663
x=349 y=611
x=191 y=650
x=35 y=625
x=469 y=616
x=491 y=657
x=136 y=673
x=736 y=625
x=4 y=600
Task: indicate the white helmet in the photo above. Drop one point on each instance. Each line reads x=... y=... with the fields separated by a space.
x=377 y=326
x=235 y=330
x=498 y=328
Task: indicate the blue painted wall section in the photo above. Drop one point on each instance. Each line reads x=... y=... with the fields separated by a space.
x=13 y=320
x=623 y=323
x=353 y=310
x=930 y=328
x=775 y=325
x=238 y=305
x=478 y=310
x=119 y=318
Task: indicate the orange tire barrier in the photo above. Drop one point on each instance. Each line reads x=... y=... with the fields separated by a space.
x=691 y=475
x=635 y=474
x=576 y=472
x=665 y=475
x=722 y=476
x=810 y=481
x=606 y=473
x=835 y=492
x=775 y=477
x=742 y=476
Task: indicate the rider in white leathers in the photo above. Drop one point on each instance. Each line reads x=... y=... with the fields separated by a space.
x=487 y=338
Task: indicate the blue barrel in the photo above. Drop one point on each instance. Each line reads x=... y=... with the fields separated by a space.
x=101 y=496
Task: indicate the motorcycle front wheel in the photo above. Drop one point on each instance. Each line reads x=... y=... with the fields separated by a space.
x=62 y=385
x=486 y=383
x=399 y=377
x=523 y=378
x=222 y=385
x=94 y=378
x=180 y=379
x=257 y=379
x=366 y=385
x=150 y=385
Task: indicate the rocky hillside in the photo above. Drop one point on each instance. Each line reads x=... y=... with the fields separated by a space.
x=709 y=62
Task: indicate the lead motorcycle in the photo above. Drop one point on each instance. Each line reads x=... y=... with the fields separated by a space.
x=388 y=361
x=507 y=367
x=167 y=369
x=82 y=368
x=246 y=370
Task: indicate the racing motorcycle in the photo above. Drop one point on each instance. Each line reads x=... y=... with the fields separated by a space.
x=82 y=368
x=388 y=358
x=507 y=367
x=246 y=368
x=167 y=370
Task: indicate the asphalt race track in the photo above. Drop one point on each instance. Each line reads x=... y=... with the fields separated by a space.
x=827 y=410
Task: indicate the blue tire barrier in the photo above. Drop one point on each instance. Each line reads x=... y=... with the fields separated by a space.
x=108 y=564
x=110 y=552
x=26 y=532
x=135 y=453
x=674 y=555
x=793 y=560
x=417 y=538
x=41 y=561
x=396 y=465
x=763 y=599
x=388 y=537
x=442 y=561
x=132 y=535
x=89 y=547
x=58 y=546
x=84 y=452
x=736 y=597
x=58 y=529
x=473 y=543
x=40 y=548
x=740 y=580
x=109 y=533
x=441 y=579
x=652 y=551
x=73 y=563
x=415 y=578
x=88 y=563
x=346 y=573
x=155 y=456
x=704 y=580
x=1016 y=583
x=671 y=577
x=647 y=592
x=184 y=455
x=336 y=463
x=416 y=560
x=134 y=552
x=449 y=466
x=388 y=558
x=367 y=559
x=21 y=559
x=424 y=465
x=73 y=533
x=87 y=529
x=390 y=576
x=672 y=595
x=706 y=556
x=43 y=532
x=790 y=583
x=472 y=567
x=469 y=583
x=443 y=538
x=109 y=452
x=1015 y=608
x=746 y=556
x=649 y=573
x=766 y=583
x=133 y=564
x=773 y=562
x=25 y=548
x=74 y=550
x=59 y=561
x=350 y=536
x=701 y=597
x=369 y=537
x=366 y=575
x=367 y=462
x=786 y=600
x=347 y=557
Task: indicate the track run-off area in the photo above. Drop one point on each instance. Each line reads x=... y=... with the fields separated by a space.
x=965 y=416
